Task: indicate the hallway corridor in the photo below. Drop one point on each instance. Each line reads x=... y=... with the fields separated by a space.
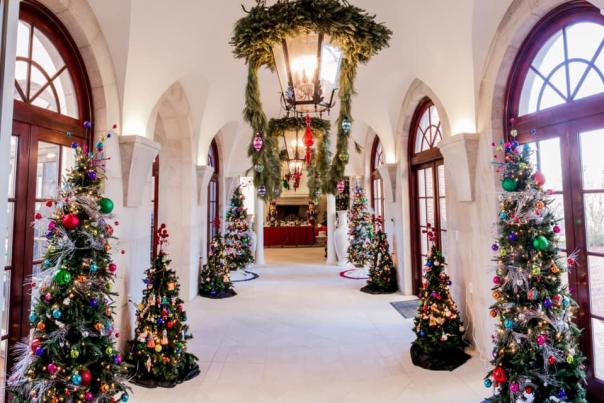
x=301 y=333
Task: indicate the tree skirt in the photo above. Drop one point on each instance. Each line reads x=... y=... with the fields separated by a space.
x=218 y=294
x=356 y=274
x=371 y=289
x=243 y=275
x=444 y=360
x=190 y=372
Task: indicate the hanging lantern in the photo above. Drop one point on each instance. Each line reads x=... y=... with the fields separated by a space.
x=258 y=142
x=308 y=140
x=308 y=66
x=261 y=190
x=341 y=186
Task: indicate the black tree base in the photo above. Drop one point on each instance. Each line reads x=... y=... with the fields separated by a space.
x=444 y=360
x=371 y=289
x=218 y=294
x=190 y=372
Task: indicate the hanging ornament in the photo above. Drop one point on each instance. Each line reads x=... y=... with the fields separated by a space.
x=308 y=140
x=346 y=126
x=91 y=175
x=540 y=243
x=86 y=376
x=261 y=191
x=341 y=186
x=487 y=383
x=164 y=337
x=106 y=205
x=62 y=277
x=343 y=156
x=258 y=142
x=499 y=375
x=74 y=353
x=76 y=379
x=70 y=221
x=509 y=184
x=539 y=178
x=259 y=168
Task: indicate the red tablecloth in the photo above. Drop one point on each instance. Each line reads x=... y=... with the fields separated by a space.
x=289 y=236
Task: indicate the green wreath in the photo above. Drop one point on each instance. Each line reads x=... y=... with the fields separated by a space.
x=357 y=34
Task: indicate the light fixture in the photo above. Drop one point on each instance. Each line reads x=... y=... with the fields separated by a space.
x=308 y=65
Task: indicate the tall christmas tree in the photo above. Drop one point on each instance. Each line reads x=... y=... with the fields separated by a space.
x=536 y=356
x=215 y=277
x=237 y=240
x=440 y=332
x=382 y=273
x=71 y=355
x=360 y=230
x=158 y=353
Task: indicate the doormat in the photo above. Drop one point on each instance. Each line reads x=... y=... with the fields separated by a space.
x=355 y=274
x=237 y=277
x=408 y=309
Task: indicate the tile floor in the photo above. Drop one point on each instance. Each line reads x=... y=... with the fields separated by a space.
x=301 y=333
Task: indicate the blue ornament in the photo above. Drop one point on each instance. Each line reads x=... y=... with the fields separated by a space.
x=488 y=383
x=93 y=303
x=99 y=145
x=515 y=144
x=93 y=267
x=125 y=397
x=39 y=351
x=49 y=234
x=566 y=302
x=74 y=145
x=429 y=264
x=87 y=124
x=547 y=303
x=33 y=317
x=422 y=333
x=503 y=216
x=108 y=135
x=513 y=237
x=160 y=321
x=449 y=282
x=56 y=314
x=76 y=379
x=46 y=263
x=508 y=323
x=562 y=394
x=91 y=175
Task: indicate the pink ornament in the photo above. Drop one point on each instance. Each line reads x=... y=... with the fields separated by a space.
x=514 y=387
x=258 y=142
x=47 y=297
x=539 y=178
x=52 y=368
x=52 y=225
x=570 y=261
x=112 y=267
x=556 y=229
x=540 y=340
x=497 y=280
x=88 y=396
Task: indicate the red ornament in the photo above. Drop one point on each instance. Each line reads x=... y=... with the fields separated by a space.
x=551 y=359
x=539 y=178
x=528 y=390
x=570 y=261
x=70 y=221
x=48 y=203
x=170 y=324
x=35 y=343
x=499 y=375
x=38 y=216
x=112 y=267
x=308 y=140
x=86 y=377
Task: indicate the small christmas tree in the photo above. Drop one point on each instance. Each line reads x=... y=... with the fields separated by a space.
x=158 y=353
x=237 y=240
x=71 y=355
x=382 y=273
x=360 y=229
x=215 y=277
x=536 y=357
x=440 y=332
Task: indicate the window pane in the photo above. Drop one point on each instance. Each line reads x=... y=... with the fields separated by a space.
x=68 y=161
x=441 y=180
x=23 y=39
x=67 y=95
x=550 y=98
x=21 y=78
x=591 y=85
x=14 y=141
x=550 y=55
x=551 y=164
x=594 y=222
x=5 y=301
x=598 y=344
x=583 y=40
x=36 y=270
x=430 y=211
x=530 y=93
x=47 y=179
x=557 y=208
x=592 y=144
x=442 y=205
x=40 y=240
x=421 y=184
x=45 y=54
x=429 y=184
x=422 y=212
x=424 y=242
x=8 y=244
x=596 y=284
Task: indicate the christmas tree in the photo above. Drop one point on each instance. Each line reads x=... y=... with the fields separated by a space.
x=215 y=277
x=158 y=353
x=237 y=239
x=71 y=355
x=382 y=273
x=440 y=332
x=535 y=357
x=360 y=229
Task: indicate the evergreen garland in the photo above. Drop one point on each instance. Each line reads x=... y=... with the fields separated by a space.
x=354 y=31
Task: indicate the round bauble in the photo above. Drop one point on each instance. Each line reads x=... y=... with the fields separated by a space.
x=488 y=383
x=76 y=379
x=540 y=243
x=70 y=221
x=346 y=126
x=88 y=396
x=106 y=205
x=539 y=178
x=74 y=353
x=62 y=277
x=509 y=184
x=499 y=375
x=158 y=348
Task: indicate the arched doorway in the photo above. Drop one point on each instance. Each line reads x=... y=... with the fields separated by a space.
x=555 y=100
x=52 y=100
x=377 y=184
x=213 y=191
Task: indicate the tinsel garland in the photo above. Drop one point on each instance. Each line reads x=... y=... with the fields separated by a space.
x=354 y=31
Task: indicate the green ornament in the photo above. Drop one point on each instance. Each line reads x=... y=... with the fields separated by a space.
x=75 y=353
x=62 y=277
x=536 y=270
x=509 y=184
x=343 y=156
x=540 y=243
x=106 y=205
x=109 y=350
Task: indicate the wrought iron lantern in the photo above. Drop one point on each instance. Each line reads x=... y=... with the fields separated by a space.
x=308 y=66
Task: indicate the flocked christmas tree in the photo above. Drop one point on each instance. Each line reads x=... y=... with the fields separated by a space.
x=215 y=277
x=382 y=272
x=237 y=240
x=439 y=329
x=158 y=354
x=71 y=355
x=536 y=357
x=360 y=229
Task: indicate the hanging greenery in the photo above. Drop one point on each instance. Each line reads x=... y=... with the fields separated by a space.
x=354 y=31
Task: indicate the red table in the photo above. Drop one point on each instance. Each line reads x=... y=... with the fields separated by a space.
x=289 y=236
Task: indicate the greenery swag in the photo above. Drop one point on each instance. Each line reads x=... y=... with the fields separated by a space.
x=357 y=34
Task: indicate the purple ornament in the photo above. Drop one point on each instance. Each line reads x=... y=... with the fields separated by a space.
x=494 y=247
x=93 y=303
x=117 y=359
x=87 y=124
x=513 y=237
x=52 y=225
x=39 y=351
x=514 y=387
x=547 y=303
x=88 y=396
x=91 y=175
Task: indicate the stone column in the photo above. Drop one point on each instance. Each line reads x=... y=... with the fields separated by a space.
x=259 y=231
x=204 y=174
x=331 y=224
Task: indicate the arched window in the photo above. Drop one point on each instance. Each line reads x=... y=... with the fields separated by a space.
x=427 y=185
x=213 y=189
x=52 y=99
x=555 y=100
x=377 y=185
